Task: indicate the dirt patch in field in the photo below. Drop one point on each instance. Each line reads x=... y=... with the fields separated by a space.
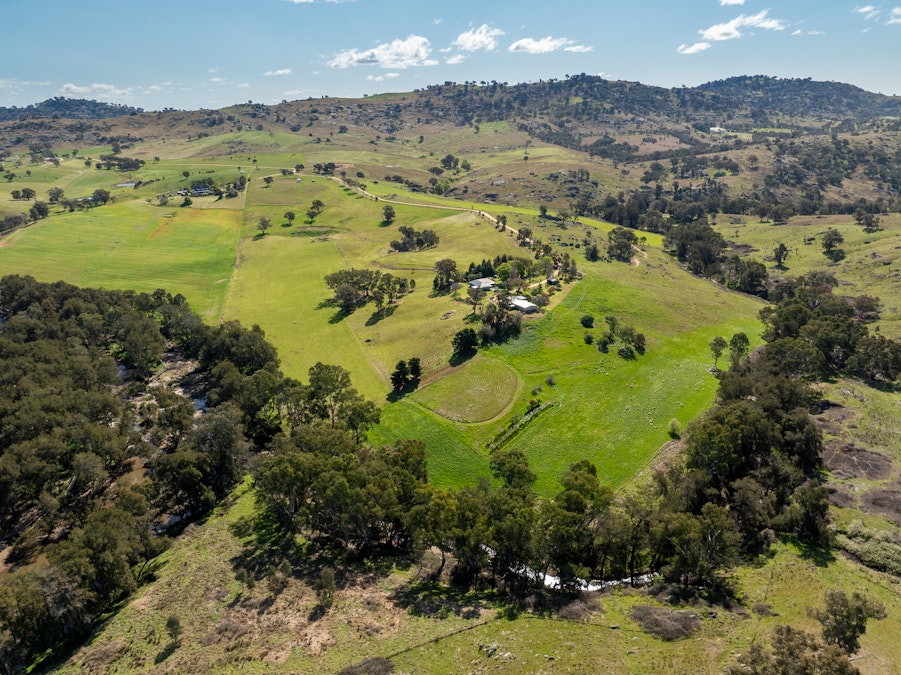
x=884 y=502
x=846 y=460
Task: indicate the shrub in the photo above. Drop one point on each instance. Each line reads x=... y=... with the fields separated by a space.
x=587 y=321
x=675 y=429
x=589 y=338
x=666 y=624
x=626 y=352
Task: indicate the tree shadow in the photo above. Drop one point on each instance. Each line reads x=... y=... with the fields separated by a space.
x=165 y=653
x=835 y=255
x=397 y=394
x=380 y=314
x=818 y=555
x=458 y=359
x=436 y=601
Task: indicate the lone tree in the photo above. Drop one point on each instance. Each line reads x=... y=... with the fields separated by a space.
x=465 y=341
x=415 y=367
x=290 y=216
x=401 y=375
x=268 y=180
x=263 y=225
x=832 y=239
x=717 y=347
x=388 y=214
x=173 y=627
x=844 y=619
x=780 y=253
x=738 y=348
x=869 y=221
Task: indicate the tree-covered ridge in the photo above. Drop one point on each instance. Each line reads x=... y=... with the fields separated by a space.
x=68 y=108
x=93 y=450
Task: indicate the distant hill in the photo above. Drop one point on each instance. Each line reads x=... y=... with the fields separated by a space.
x=825 y=100
x=68 y=108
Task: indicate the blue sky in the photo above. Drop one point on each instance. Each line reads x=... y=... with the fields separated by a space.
x=213 y=53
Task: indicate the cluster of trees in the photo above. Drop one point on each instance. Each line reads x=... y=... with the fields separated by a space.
x=405 y=373
x=810 y=331
x=630 y=340
x=66 y=436
x=354 y=288
x=702 y=249
x=411 y=240
x=119 y=163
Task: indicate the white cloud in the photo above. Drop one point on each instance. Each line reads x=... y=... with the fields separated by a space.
x=579 y=49
x=413 y=51
x=797 y=32
x=869 y=12
x=546 y=45
x=731 y=2
x=18 y=84
x=217 y=80
x=98 y=91
x=276 y=73
x=382 y=78
x=693 y=49
x=730 y=29
x=895 y=16
x=482 y=37
x=438 y=21
x=455 y=60
x=244 y=85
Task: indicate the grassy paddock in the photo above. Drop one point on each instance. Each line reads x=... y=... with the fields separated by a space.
x=132 y=245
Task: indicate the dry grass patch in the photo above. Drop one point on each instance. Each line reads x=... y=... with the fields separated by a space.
x=666 y=624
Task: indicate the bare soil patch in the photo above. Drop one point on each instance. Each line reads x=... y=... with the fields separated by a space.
x=846 y=460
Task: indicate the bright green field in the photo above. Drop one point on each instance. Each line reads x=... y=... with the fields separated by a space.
x=478 y=391
x=132 y=245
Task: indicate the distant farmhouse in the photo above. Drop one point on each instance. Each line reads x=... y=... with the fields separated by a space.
x=483 y=284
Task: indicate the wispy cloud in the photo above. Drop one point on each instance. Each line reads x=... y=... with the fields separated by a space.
x=731 y=2
x=894 y=16
x=869 y=12
x=696 y=48
x=96 y=90
x=732 y=30
x=20 y=84
x=276 y=73
x=382 y=78
x=455 y=60
x=481 y=38
x=412 y=51
x=547 y=45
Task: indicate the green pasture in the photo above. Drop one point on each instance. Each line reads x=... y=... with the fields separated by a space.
x=132 y=245
x=613 y=411
x=478 y=391
x=869 y=266
x=279 y=281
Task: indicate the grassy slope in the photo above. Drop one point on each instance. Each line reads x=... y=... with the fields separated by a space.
x=376 y=613
x=870 y=265
x=132 y=245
